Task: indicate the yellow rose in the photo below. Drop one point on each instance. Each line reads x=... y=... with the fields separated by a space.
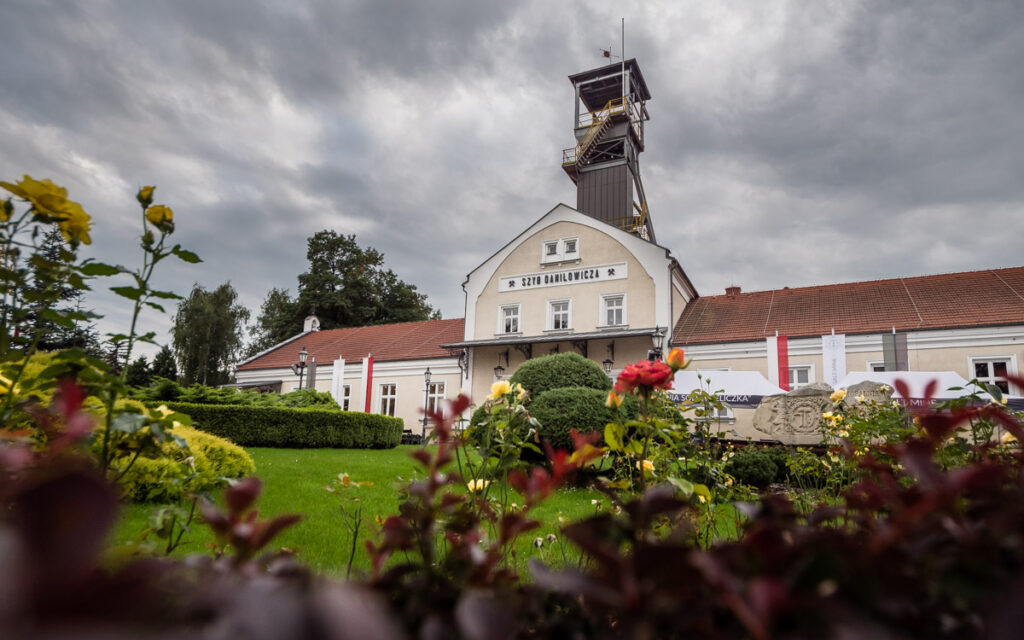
x=645 y=465
x=499 y=389
x=161 y=217
x=837 y=396
x=145 y=196
x=861 y=399
x=75 y=226
x=47 y=198
x=827 y=415
x=1007 y=438
x=614 y=400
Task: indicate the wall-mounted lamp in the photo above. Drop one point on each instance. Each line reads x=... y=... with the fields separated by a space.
x=500 y=370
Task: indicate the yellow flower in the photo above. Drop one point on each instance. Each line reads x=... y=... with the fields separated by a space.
x=860 y=399
x=477 y=485
x=75 y=226
x=145 y=196
x=163 y=411
x=1007 y=438
x=645 y=465
x=676 y=359
x=884 y=388
x=701 y=498
x=837 y=396
x=827 y=415
x=499 y=389
x=518 y=390
x=614 y=400
x=47 y=198
x=161 y=217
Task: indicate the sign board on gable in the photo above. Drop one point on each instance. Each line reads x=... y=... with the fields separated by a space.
x=561 y=277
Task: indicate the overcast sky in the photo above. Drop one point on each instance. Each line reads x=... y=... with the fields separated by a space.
x=790 y=143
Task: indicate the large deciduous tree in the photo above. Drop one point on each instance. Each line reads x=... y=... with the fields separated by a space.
x=345 y=286
x=208 y=334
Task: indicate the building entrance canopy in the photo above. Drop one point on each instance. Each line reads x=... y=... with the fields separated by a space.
x=555 y=337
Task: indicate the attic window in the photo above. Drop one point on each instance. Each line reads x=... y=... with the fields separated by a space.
x=561 y=250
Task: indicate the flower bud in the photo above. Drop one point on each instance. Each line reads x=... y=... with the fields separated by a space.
x=145 y=196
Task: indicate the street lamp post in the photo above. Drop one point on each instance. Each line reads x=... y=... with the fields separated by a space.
x=426 y=403
x=300 y=368
x=655 y=353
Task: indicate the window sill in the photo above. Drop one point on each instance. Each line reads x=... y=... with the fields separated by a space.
x=612 y=327
x=559 y=262
x=513 y=334
x=554 y=332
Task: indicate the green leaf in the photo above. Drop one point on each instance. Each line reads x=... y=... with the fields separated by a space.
x=131 y=293
x=702 y=490
x=185 y=254
x=166 y=295
x=99 y=269
x=128 y=422
x=155 y=306
x=613 y=434
x=684 y=485
x=995 y=392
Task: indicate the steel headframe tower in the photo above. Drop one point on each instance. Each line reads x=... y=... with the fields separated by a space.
x=609 y=130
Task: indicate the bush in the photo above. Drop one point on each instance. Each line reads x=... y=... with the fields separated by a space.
x=172 y=471
x=753 y=467
x=780 y=457
x=251 y=426
x=560 y=370
x=164 y=390
x=580 y=408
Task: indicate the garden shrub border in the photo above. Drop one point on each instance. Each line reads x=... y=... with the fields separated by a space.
x=253 y=426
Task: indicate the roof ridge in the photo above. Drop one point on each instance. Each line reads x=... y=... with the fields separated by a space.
x=768 y=315
x=920 y=320
x=875 y=281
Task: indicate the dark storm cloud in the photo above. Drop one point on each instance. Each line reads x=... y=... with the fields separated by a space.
x=790 y=143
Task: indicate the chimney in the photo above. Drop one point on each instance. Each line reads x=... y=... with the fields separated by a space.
x=732 y=292
x=311 y=323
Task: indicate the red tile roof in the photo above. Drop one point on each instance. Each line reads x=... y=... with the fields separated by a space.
x=971 y=299
x=401 y=341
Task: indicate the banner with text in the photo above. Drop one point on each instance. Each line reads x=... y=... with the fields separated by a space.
x=833 y=358
x=560 y=277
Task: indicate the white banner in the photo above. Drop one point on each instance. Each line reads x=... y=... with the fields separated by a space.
x=833 y=357
x=560 y=277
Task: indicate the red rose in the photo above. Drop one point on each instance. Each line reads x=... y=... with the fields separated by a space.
x=645 y=376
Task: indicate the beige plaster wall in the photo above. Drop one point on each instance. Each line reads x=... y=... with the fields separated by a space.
x=595 y=248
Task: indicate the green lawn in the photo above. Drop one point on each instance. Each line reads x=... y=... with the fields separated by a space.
x=294 y=481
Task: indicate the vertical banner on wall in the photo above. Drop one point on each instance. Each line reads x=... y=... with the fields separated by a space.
x=338 y=380
x=368 y=374
x=833 y=358
x=778 y=360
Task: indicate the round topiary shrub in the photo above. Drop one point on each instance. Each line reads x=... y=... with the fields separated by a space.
x=580 y=408
x=173 y=472
x=560 y=370
x=752 y=467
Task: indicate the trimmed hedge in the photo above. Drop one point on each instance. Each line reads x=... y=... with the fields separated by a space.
x=580 y=408
x=560 y=370
x=251 y=426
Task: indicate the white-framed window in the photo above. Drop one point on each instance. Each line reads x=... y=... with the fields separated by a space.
x=435 y=395
x=613 y=310
x=560 y=250
x=993 y=370
x=508 y=319
x=559 y=313
x=800 y=375
x=388 y=398
x=876 y=365
x=346 y=397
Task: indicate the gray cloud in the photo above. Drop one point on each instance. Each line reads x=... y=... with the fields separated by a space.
x=791 y=143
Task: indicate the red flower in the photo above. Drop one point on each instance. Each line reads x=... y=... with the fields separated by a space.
x=645 y=376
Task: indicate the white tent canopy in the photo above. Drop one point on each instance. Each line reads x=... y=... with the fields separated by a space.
x=738 y=388
x=917 y=381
